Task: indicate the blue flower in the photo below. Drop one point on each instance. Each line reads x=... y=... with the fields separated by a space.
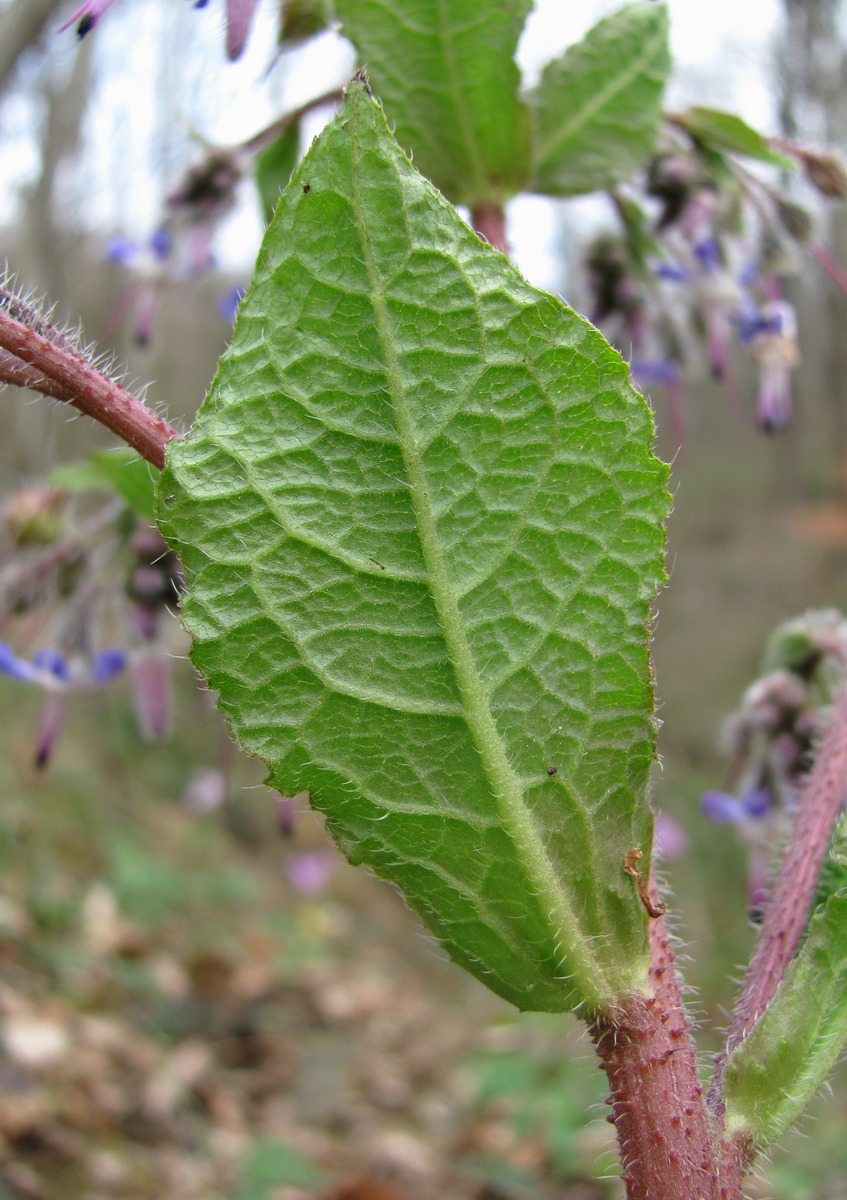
x=229 y=302
x=58 y=677
x=755 y=805
x=50 y=669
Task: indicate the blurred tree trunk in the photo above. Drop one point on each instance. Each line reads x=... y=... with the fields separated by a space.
x=812 y=108
x=20 y=25
x=44 y=224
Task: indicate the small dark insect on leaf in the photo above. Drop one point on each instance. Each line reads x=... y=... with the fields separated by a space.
x=552 y=770
x=307 y=187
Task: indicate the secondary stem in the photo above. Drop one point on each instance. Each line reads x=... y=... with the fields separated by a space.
x=788 y=909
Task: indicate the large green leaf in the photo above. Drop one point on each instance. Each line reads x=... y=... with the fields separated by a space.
x=421 y=523
x=444 y=69
x=774 y=1073
x=598 y=108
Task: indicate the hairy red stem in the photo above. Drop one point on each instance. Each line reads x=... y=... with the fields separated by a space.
x=669 y=1150
x=788 y=908
x=74 y=380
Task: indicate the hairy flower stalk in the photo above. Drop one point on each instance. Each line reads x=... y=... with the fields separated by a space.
x=788 y=909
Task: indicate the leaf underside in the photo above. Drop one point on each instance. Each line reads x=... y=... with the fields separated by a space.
x=598 y=107
x=421 y=524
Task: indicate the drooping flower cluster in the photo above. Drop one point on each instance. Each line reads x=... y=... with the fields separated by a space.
x=771 y=739
x=702 y=261
x=56 y=587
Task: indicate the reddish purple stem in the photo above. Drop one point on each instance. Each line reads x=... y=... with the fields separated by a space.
x=669 y=1150
x=833 y=270
x=27 y=355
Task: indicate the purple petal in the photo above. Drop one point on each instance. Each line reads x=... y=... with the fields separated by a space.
x=161 y=244
x=229 y=302
x=310 y=873
x=758 y=803
x=721 y=807
x=50 y=722
x=751 y=323
x=647 y=372
x=672 y=273
x=708 y=253
x=107 y=664
x=52 y=661
x=16 y=667
x=239 y=18
x=207 y=791
x=121 y=250
x=670 y=838
x=285 y=815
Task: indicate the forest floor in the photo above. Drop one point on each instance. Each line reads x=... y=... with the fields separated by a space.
x=195 y=1007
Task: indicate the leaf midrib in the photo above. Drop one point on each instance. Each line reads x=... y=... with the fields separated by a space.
x=554 y=143
x=583 y=966
x=473 y=156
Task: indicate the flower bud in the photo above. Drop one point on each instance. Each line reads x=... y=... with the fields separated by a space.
x=826 y=172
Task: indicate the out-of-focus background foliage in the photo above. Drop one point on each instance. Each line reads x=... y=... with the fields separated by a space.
x=193 y=1005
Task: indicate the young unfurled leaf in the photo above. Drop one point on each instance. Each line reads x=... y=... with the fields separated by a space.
x=598 y=107
x=717 y=130
x=774 y=1073
x=421 y=523
x=445 y=72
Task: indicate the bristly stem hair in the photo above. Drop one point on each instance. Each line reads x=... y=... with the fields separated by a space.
x=35 y=353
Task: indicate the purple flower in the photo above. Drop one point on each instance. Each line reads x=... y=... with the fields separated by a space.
x=239 y=19
x=148 y=265
x=775 y=347
x=50 y=669
x=229 y=302
x=670 y=838
x=87 y=16
x=310 y=872
x=755 y=805
x=58 y=676
x=708 y=253
x=285 y=815
x=648 y=372
x=672 y=273
x=206 y=791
